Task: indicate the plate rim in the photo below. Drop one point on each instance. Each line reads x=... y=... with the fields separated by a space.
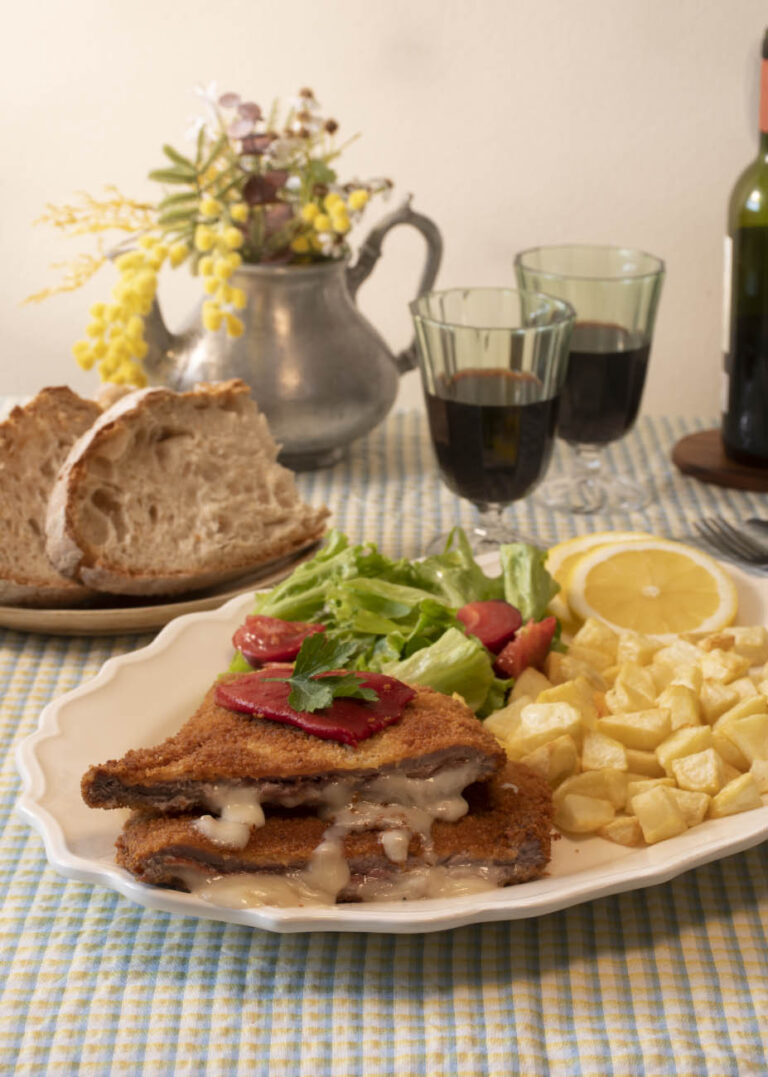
x=652 y=865
x=90 y=620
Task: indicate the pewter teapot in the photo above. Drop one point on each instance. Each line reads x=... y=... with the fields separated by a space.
x=317 y=368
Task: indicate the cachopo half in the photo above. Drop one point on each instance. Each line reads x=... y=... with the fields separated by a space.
x=652 y=586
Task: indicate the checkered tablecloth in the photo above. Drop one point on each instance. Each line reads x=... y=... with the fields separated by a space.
x=667 y=980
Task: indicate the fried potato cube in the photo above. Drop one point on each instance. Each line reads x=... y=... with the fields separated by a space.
x=591 y=656
x=682 y=703
x=530 y=683
x=723 y=666
x=700 y=772
x=582 y=815
x=597 y=636
x=599 y=751
x=643 y=729
x=745 y=686
x=505 y=722
x=561 y=667
x=554 y=761
x=750 y=641
x=731 y=754
x=624 y=830
x=658 y=814
x=677 y=654
x=682 y=742
x=759 y=771
x=635 y=647
x=750 y=735
x=716 y=699
x=605 y=784
x=693 y=806
x=636 y=786
x=579 y=693
x=644 y=762
x=742 y=709
x=741 y=794
x=689 y=677
x=540 y=722
x=638 y=685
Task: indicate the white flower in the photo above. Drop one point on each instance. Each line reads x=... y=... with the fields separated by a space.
x=293 y=183
x=209 y=120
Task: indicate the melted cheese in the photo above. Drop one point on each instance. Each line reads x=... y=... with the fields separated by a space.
x=397 y=806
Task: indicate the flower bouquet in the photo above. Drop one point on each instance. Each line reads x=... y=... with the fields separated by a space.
x=256 y=190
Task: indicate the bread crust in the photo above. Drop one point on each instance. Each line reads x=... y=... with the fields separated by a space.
x=47 y=425
x=78 y=557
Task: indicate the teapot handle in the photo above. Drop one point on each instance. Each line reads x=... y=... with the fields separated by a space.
x=370 y=252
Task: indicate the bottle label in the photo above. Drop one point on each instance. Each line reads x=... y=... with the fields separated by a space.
x=727 y=272
x=764 y=96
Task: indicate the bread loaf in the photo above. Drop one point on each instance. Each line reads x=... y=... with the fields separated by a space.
x=34 y=441
x=171 y=492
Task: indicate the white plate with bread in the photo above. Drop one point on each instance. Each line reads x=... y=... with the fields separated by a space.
x=163 y=503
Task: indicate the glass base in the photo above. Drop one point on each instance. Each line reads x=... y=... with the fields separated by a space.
x=588 y=493
x=482 y=538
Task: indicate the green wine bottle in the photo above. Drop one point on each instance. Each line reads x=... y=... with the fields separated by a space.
x=745 y=323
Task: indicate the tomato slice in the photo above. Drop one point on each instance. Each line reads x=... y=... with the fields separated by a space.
x=530 y=647
x=268 y=639
x=346 y=720
x=494 y=622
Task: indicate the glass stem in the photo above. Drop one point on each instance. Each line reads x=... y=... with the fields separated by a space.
x=489 y=524
x=588 y=475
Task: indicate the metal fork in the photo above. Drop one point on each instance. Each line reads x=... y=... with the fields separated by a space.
x=729 y=540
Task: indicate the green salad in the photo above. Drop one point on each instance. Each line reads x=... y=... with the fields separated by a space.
x=401 y=614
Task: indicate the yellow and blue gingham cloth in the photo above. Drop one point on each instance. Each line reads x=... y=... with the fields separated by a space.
x=668 y=980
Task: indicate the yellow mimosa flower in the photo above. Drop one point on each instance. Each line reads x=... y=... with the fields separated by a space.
x=209 y=207
x=206 y=264
x=300 y=244
x=83 y=354
x=204 y=238
x=178 y=254
x=234 y=260
x=98 y=310
x=340 y=223
x=322 y=222
x=309 y=212
x=96 y=328
x=234 y=326
x=358 y=199
x=210 y=285
x=222 y=269
x=239 y=212
x=233 y=238
x=212 y=316
x=331 y=200
x=237 y=298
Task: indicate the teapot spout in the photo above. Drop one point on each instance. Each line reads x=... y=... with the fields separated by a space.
x=161 y=360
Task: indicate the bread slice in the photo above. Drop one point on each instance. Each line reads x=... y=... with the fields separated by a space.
x=34 y=441
x=219 y=749
x=171 y=492
x=504 y=838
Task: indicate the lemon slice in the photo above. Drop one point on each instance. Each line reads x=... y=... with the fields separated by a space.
x=655 y=586
x=562 y=558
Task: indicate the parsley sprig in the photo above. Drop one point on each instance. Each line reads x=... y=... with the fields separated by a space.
x=320 y=654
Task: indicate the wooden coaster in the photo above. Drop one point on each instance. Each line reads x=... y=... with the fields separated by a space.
x=702 y=456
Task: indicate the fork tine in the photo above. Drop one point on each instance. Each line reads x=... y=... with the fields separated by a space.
x=726 y=539
x=714 y=539
x=757 y=548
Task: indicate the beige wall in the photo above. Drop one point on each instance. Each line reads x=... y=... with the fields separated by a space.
x=513 y=122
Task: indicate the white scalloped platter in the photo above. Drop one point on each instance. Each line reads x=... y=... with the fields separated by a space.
x=140 y=698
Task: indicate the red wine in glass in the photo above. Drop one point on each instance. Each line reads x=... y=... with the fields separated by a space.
x=492 y=433
x=604 y=384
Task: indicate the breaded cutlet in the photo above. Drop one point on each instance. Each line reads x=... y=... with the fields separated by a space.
x=507 y=830
x=283 y=764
